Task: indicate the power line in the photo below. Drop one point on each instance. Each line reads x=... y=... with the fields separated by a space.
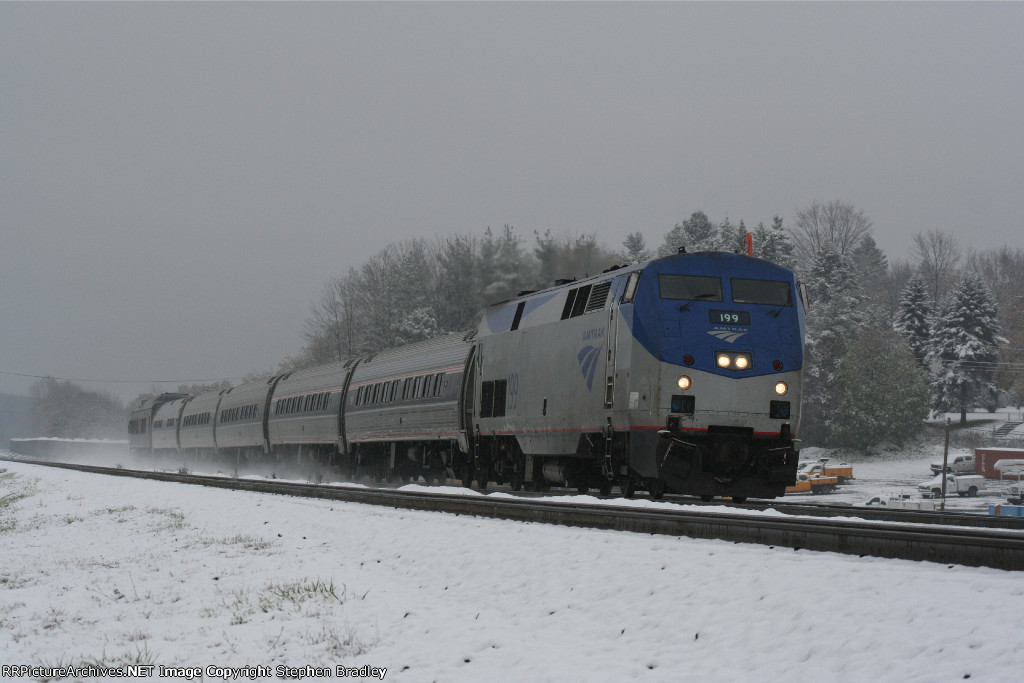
x=115 y=381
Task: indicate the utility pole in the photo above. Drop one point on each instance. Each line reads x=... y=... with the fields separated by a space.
x=945 y=458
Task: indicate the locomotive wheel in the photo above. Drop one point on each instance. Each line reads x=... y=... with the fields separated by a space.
x=628 y=486
x=656 y=489
x=605 y=488
x=583 y=489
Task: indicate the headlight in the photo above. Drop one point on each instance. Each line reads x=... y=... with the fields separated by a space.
x=781 y=388
x=729 y=360
x=683 y=382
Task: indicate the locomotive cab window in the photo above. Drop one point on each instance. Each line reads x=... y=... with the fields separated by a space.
x=769 y=292
x=630 y=291
x=690 y=287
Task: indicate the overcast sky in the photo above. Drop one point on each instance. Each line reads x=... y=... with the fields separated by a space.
x=179 y=180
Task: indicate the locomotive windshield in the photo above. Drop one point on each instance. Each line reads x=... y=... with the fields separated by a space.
x=694 y=287
x=770 y=292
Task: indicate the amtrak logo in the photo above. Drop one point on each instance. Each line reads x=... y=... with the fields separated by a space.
x=726 y=335
x=588 y=357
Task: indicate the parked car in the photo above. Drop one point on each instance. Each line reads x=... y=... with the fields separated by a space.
x=960 y=484
x=960 y=464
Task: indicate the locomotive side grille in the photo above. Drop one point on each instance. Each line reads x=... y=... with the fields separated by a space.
x=598 y=295
x=492 y=398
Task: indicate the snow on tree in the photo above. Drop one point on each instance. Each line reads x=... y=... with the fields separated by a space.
x=458 y=300
x=1003 y=271
x=730 y=238
x=833 y=320
x=1014 y=398
x=505 y=268
x=964 y=345
x=696 y=233
x=570 y=257
x=774 y=244
x=884 y=393
x=871 y=266
x=636 y=249
x=416 y=325
x=913 y=320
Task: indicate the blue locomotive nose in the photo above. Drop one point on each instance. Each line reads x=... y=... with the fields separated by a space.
x=727 y=331
x=725 y=314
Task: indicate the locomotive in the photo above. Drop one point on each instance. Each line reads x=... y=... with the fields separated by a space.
x=681 y=374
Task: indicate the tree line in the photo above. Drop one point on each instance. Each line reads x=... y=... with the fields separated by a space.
x=887 y=341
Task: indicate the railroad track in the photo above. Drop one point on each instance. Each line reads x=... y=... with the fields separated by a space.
x=948 y=538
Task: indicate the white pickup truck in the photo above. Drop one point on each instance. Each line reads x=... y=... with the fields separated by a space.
x=960 y=464
x=901 y=501
x=961 y=484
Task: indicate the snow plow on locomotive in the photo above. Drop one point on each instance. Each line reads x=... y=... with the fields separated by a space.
x=682 y=374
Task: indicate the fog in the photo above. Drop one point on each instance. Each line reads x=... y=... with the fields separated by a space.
x=178 y=180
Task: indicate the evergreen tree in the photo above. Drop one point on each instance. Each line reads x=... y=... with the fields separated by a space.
x=963 y=352
x=546 y=252
x=458 y=300
x=506 y=270
x=774 y=244
x=636 y=249
x=884 y=393
x=871 y=266
x=832 y=322
x=914 y=316
x=696 y=233
x=416 y=325
x=729 y=237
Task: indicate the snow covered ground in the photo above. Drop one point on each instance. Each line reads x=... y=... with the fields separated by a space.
x=111 y=571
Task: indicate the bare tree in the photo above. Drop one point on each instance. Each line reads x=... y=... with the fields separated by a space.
x=937 y=254
x=836 y=225
x=331 y=332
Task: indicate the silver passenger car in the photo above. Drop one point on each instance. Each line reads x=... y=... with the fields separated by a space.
x=304 y=412
x=140 y=421
x=241 y=417
x=196 y=431
x=165 y=425
x=409 y=394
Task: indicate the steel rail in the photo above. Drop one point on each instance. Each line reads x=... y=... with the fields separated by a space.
x=880 y=513
x=996 y=548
